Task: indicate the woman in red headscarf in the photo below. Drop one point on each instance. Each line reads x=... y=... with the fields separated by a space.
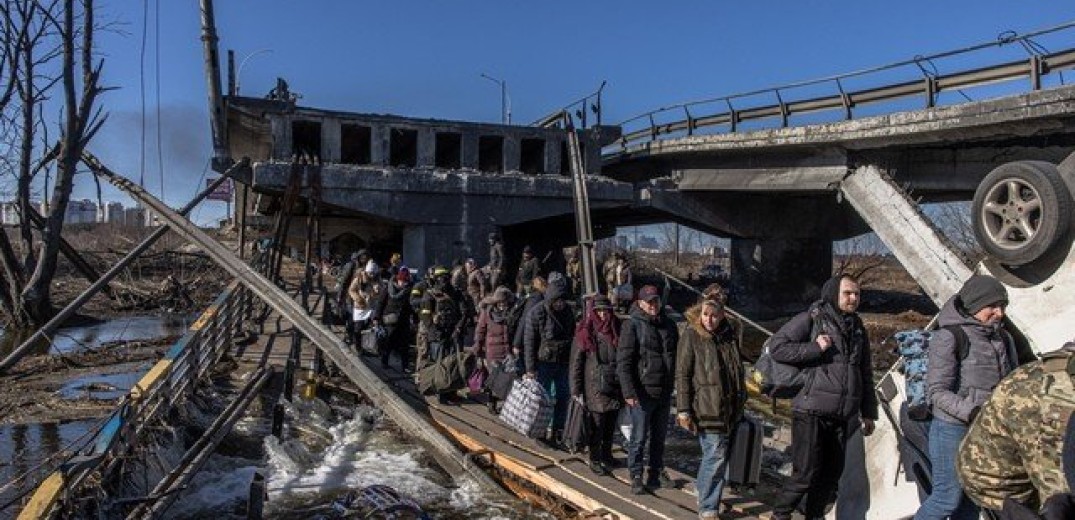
x=594 y=380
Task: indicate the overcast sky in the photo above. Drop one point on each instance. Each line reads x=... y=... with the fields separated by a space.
x=425 y=59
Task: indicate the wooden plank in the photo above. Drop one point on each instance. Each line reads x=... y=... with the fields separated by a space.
x=560 y=482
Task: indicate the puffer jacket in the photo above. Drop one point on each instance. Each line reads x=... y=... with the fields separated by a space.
x=710 y=377
x=593 y=375
x=397 y=301
x=547 y=332
x=839 y=381
x=546 y=329
x=957 y=387
x=491 y=341
x=646 y=357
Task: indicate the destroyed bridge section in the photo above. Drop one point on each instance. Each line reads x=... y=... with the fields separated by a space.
x=434 y=189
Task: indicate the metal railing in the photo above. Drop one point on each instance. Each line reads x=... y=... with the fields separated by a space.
x=1038 y=64
x=170 y=380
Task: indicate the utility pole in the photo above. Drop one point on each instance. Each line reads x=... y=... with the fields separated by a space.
x=505 y=103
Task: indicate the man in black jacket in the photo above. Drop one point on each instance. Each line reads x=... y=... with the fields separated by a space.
x=646 y=366
x=830 y=344
x=548 y=328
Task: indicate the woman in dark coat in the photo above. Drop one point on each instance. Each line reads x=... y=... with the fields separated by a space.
x=594 y=381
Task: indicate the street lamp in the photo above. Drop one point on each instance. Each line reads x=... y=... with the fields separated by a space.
x=239 y=72
x=505 y=102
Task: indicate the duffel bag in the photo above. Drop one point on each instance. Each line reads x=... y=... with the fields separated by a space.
x=447 y=375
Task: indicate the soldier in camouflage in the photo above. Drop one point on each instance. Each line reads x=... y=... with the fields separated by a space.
x=1022 y=446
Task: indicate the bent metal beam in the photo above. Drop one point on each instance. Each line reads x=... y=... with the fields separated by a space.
x=446 y=453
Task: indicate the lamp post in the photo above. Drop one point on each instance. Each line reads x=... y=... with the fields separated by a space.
x=505 y=102
x=239 y=72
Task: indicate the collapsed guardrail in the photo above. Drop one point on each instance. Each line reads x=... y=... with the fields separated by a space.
x=170 y=380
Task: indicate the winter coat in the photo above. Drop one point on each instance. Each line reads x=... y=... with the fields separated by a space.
x=957 y=387
x=491 y=340
x=646 y=357
x=709 y=376
x=476 y=287
x=839 y=381
x=535 y=298
x=397 y=301
x=593 y=376
x=548 y=333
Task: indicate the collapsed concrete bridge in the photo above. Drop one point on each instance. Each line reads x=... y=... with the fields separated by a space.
x=434 y=189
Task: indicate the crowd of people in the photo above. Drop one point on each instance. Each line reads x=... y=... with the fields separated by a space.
x=621 y=357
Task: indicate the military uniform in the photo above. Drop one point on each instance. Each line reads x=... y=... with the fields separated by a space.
x=1016 y=447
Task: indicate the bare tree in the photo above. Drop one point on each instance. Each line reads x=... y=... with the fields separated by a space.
x=47 y=50
x=859 y=257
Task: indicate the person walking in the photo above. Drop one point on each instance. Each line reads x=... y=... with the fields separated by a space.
x=492 y=336
x=548 y=328
x=594 y=381
x=829 y=341
x=529 y=268
x=394 y=315
x=710 y=392
x=495 y=267
x=959 y=381
x=646 y=364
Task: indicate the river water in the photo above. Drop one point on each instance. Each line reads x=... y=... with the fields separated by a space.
x=325 y=452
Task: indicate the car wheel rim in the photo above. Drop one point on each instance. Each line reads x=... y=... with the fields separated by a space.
x=1011 y=214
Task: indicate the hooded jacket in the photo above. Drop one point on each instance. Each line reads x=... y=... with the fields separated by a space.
x=709 y=375
x=491 y=341
x=646 y=357
x=957 y=387
x=397 y=301
x=547 y=329
x=839 y=380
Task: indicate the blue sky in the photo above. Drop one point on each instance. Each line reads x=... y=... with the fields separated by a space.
x=424 y=59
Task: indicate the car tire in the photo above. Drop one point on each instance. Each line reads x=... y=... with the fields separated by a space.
x=1022 y=210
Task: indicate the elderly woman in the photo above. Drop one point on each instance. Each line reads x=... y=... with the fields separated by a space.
x=492 y=337
x=593 y=379
x=710 y=391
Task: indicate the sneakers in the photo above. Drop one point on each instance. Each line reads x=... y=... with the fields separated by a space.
x=660 y=480
x=636 y=485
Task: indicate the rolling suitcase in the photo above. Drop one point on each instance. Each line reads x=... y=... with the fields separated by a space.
x=744 y=454
x=575 y=428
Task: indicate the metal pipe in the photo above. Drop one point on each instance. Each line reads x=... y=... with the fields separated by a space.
x=221 y=155
x=81 y=299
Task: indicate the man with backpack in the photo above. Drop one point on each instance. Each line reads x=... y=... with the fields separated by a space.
x=968 y=357
x=830 y=344
x=549 y=327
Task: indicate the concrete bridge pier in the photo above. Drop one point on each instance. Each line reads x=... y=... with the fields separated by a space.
x=426 y=245
x=778 y=276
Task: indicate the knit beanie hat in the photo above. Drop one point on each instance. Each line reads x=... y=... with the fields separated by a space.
x=981 y=291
